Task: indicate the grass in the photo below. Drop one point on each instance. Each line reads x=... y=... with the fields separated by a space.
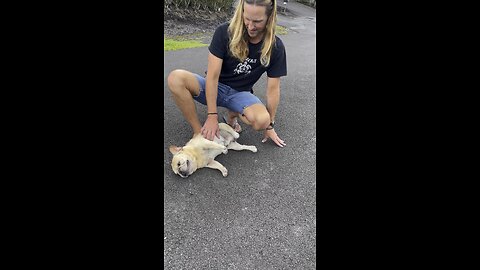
x=280 y=30
x=180 y=43
x=173 y=45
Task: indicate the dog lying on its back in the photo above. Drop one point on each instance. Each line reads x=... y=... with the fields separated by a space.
x=200 y=152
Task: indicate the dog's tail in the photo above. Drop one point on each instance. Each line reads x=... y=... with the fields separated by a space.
x=229 y=129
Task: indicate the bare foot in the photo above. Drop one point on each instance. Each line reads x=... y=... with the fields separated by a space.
x=233 y=122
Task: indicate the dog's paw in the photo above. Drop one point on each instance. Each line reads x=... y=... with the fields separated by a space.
x=225 y=150
x=225 y=173
x=253 y=149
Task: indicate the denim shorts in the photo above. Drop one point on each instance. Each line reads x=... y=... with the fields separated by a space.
x=228 y=97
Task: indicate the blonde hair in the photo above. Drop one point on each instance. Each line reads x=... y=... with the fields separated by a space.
x=239 y=37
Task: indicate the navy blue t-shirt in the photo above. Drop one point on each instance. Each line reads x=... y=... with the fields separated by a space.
x=242 y=76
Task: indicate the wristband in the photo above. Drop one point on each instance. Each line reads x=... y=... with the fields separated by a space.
x=270 y=127
x=212 y=113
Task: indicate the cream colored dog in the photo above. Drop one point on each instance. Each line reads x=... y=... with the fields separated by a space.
x=200 y=152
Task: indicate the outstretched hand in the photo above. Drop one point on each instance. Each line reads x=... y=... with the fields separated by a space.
x=210 y=129
x=271 y=134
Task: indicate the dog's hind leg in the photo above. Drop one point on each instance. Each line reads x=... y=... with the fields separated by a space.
x=236 y=146
x=213 y=164
x=228 y=129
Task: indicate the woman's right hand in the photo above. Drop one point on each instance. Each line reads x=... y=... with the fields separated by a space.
x=210 y=128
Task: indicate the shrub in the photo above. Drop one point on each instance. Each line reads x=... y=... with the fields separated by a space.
x=211 y=5
x=312 y=3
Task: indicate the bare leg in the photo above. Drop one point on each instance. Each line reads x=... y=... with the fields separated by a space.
x=256 y=116
x=216 y=165
x=239 y=147
x=232 y=121
x=183 y=86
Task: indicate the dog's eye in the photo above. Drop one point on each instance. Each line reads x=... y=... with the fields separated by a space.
x=188 y=162
x=179 y=164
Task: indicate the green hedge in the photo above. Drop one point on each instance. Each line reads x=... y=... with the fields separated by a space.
x=212 y=5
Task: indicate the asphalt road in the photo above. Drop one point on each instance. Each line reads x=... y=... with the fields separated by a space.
x=263 y=215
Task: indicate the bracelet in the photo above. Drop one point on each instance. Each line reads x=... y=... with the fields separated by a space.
x=270 y=127
x=212 y=113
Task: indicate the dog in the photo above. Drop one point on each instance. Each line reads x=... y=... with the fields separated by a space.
x=200 y=152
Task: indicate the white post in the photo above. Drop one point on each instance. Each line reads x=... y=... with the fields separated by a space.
x=285 y=5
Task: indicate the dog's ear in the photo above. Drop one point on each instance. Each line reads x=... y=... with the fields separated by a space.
x=174 y=149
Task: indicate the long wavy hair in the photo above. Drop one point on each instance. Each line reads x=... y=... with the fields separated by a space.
x=239 y=36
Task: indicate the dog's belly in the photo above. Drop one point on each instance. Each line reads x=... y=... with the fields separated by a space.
x=208 y=154
x=225 y=138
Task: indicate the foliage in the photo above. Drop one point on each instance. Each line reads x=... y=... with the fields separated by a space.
x=280 y=30
x=312 y=3
x=211 y=5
